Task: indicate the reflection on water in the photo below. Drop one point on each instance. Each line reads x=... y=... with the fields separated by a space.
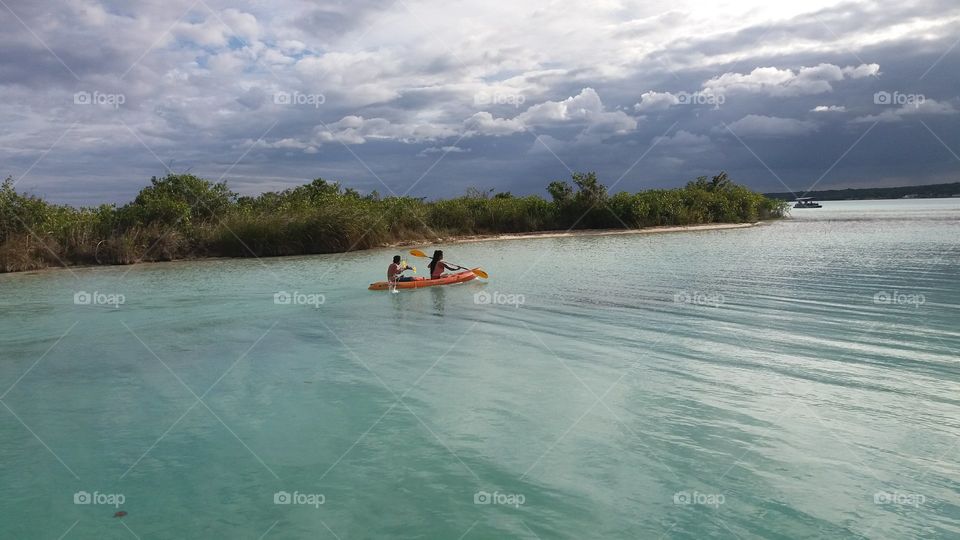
x=439 y=295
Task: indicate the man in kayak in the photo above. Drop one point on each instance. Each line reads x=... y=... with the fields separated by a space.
x=395 y=271
x=437 y=266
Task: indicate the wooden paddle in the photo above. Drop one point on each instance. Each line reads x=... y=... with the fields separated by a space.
x=478 y=271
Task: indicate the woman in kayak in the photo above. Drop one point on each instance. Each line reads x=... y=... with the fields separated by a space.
x=437 y=266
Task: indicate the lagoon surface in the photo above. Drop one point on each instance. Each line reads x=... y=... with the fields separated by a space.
x=799 y=379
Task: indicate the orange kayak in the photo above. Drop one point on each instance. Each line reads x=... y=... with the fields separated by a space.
x=450 y=279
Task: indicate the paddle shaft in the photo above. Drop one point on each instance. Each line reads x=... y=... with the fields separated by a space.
x=418 y=253
x=478 y=271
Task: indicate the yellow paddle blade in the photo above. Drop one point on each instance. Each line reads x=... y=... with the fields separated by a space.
x=417 y=253
x=480 y=273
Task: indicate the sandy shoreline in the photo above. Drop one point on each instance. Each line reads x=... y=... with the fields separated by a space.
x=463 y=239
x=577 y=233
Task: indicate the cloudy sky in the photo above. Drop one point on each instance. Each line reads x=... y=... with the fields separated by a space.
x=427 y=97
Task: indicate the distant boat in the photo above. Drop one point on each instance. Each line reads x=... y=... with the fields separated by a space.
x=806 y=202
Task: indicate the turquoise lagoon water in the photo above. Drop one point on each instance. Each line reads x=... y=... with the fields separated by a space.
x=798 y=379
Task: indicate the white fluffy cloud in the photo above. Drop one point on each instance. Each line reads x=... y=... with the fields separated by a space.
x=584 y=108
x=656 y=101
x=861 y=71
x=896 y=114
x=828 y=108
x=771 y=81
x=483 y=123
x=217 y=29
x=584 y=111
x=774 y=81
x=443 y=150
x=358 y=130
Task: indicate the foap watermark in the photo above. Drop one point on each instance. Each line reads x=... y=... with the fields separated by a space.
x=900 y=498
x=97 y=298
x=701 y=98
x=499 y=299
x=297 y=498
x=699 y=298
x=99 y=98
x=297 y=298
x=111 y=499
x=499 y=98
x=298 y=98
x=898 y=298
x=504 y=499
x=897 y=98
x=695 y=497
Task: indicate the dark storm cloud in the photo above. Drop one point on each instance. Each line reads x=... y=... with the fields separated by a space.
x=824 y=25
x=374 y=93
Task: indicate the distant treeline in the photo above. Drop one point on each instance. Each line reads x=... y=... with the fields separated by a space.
x=932 y=191
x=183 y=216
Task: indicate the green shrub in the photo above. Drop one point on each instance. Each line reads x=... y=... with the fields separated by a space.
x=178 y=199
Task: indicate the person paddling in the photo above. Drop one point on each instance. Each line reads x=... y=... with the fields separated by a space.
x=395 y=271
x=437 y=266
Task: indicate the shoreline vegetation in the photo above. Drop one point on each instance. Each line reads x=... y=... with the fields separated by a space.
x=182 y=216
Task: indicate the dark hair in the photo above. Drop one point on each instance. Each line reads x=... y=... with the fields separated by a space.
x=396 y=259
x=437 y=257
